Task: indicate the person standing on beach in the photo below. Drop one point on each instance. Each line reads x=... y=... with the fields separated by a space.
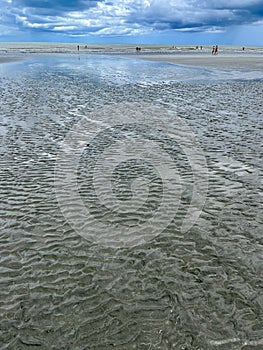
x=215 y=50
x=78 y=47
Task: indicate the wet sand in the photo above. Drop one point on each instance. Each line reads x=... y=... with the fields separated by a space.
x=9 y=59
x=226 y=61
x=199 y=289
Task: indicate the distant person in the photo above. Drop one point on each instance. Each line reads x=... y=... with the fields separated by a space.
x=78 y=47
x=216 y=50
x=213 y=50
x=243 y=49
x=201 y=47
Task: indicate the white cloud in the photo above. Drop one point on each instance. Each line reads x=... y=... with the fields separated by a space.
x=64 y=28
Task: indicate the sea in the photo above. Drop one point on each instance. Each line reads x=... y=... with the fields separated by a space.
x=131 y=200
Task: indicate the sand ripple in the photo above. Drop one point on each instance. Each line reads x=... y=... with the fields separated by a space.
x=198 y=290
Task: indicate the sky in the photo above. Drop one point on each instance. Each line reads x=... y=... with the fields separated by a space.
x=228 y=22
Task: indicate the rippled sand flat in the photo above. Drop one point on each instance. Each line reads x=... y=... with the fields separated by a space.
x=201 y=289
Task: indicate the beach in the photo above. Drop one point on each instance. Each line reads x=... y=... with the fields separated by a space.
x=131 y=197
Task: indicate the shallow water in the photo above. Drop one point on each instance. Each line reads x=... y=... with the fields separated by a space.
x=200 y=289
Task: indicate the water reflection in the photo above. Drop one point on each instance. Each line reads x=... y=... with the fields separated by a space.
x=119 y=70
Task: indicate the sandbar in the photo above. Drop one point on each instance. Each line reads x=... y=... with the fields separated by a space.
x=254 y=62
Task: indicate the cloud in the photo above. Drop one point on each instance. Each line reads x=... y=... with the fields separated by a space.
x=127 y=17
x=54 y=5
x=198 y=14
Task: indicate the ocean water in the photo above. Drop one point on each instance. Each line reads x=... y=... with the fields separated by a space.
x=131 y=205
